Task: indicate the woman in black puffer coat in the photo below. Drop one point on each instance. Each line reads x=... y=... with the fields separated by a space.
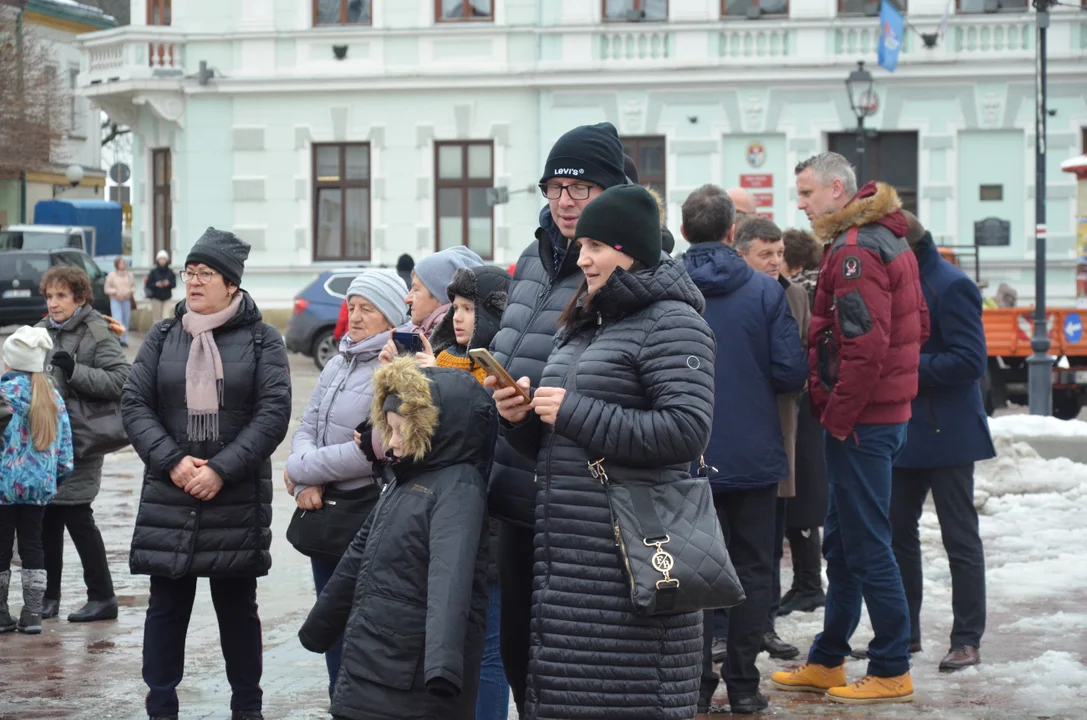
x=630 y=381
x=206 y=404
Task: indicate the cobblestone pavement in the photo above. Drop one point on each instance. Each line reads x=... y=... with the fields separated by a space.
x=93 y=670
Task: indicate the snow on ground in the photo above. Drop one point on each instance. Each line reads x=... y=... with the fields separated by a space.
x=1034 y=655
x=1035 y=425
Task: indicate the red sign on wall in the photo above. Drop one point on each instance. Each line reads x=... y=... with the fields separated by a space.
x=764 y=199
x=757 y=180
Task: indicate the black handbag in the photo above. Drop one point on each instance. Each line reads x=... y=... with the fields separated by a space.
x=97 y=428
x=325 y=534
x=669 y=538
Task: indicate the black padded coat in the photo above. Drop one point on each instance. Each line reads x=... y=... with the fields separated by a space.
x=409 y=595
x=539 y=292
x=643 y=401
x=228 y=536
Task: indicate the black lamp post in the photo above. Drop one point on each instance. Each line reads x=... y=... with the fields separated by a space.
x=862 y=101
x=1039 y=364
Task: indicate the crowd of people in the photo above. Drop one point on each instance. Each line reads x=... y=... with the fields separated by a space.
x=467 y=529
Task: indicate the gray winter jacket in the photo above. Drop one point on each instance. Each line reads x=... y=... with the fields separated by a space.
x=323 y=450
x=100 y=373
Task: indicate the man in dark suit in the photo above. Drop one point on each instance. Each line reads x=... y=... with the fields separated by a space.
x=947 y=434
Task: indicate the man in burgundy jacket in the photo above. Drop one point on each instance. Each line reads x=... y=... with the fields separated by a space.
x=867 y=326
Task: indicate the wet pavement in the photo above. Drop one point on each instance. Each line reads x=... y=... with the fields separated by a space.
x=93 y=670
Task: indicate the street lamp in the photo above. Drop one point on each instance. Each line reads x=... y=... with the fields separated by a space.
x=1039 y=364
x=74 y=175
x=862 y=99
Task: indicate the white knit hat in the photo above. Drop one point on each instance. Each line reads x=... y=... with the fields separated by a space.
x=26 y=349
x=163 y=255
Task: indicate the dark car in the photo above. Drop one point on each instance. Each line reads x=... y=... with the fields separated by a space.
x=316 y=309
x=21 y=272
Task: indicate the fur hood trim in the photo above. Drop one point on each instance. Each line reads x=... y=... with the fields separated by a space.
x=662 y=208
x=403 y=378
x=859 y=212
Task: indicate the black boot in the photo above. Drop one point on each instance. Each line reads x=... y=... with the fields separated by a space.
x=747 y=704
x=50 y=608
x=7 y=622
x=778 y=648
x=246 y=715
x=802 y=602
x=95 y=610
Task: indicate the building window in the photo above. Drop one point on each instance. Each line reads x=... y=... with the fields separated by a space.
x=753 y=8
x=159 y=12
x=464 y=10
x=341 y=201
x=890 y=157
x=635 y=10
x=161 y=210
x=464 y=171
x=648 y=154
x=341 y=12
x=991 y=6
x=866 y=7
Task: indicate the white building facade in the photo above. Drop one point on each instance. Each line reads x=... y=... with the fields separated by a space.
x=333 y=132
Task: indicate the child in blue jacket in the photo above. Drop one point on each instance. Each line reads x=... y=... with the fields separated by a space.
x=37 y=453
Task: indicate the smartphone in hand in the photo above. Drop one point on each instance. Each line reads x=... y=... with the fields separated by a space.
x=407 y=343
x=494 y=368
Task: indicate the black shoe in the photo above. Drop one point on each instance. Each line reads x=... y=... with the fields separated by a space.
x=95 y=610
x=719 y=649
x=862 y=653
x=778 y=648
x=246 y=715
x=802 y=602
x=29 y=623
x=747 y=704
x=50 y=608
x=163 y=717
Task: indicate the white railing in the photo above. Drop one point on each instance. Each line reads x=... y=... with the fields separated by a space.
x=1008 y=36
x=637 y=44
x=739 y=41
x=133 y=54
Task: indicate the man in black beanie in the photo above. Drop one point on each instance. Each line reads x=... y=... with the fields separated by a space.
x=582 y=164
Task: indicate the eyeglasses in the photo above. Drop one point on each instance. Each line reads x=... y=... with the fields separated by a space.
x=202 y=278
x=576 y=191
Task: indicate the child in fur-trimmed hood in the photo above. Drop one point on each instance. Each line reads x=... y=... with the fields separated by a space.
x=409 y=595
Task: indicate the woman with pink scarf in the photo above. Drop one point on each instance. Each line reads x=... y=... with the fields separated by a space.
x=206 y=404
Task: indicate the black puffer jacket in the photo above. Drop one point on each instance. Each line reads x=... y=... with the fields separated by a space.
x=409 y=596
x=228 y=536
x=537 y=296
x=643 y=400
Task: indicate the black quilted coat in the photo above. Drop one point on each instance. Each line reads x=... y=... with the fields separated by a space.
x=228 y=536
x=643 y=400
x=539 y=292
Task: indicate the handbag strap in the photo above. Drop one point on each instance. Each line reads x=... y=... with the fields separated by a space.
x=641 y=499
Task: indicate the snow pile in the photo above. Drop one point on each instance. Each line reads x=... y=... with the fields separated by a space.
x=1036 y=426
x=1055 y=682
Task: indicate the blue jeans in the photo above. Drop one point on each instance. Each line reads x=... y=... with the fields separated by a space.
x=322 y=573
x=121 y=310
x=857 y=548
x=493 y=701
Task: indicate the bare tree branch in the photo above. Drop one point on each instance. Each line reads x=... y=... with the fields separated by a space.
x=115 y=131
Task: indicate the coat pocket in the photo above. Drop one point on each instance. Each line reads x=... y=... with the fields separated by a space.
x=386 y=653
x=827 y=355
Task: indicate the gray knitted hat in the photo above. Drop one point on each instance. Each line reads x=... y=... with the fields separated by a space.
x=436 y=271
x=221 y=251
x=385 y=290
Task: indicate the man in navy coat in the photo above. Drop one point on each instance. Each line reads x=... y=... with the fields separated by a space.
x=948 y=433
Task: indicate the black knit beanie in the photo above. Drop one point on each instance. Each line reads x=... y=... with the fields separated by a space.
x=628 y=219
x=221 y=251
x=589 y=152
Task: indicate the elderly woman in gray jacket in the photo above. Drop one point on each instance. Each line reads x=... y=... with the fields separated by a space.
x=326 y=468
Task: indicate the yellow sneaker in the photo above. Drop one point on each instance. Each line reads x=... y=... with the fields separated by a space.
x=810 y=677
x=871 y=690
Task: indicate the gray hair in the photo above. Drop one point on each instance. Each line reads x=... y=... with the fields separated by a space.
x=752 y=228
x=828 y=167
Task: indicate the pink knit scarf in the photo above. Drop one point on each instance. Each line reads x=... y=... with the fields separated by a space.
x=204 y=370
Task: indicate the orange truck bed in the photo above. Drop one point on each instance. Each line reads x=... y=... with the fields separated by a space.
x=1008 y=331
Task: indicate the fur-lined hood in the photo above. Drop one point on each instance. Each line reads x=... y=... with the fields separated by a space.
x=448 y=417
x=874 y=203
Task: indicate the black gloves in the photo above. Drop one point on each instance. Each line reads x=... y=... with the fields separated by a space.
x=65 y=362
x=366 y=442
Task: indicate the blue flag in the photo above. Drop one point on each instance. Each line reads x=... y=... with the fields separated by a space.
x=890 y=39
